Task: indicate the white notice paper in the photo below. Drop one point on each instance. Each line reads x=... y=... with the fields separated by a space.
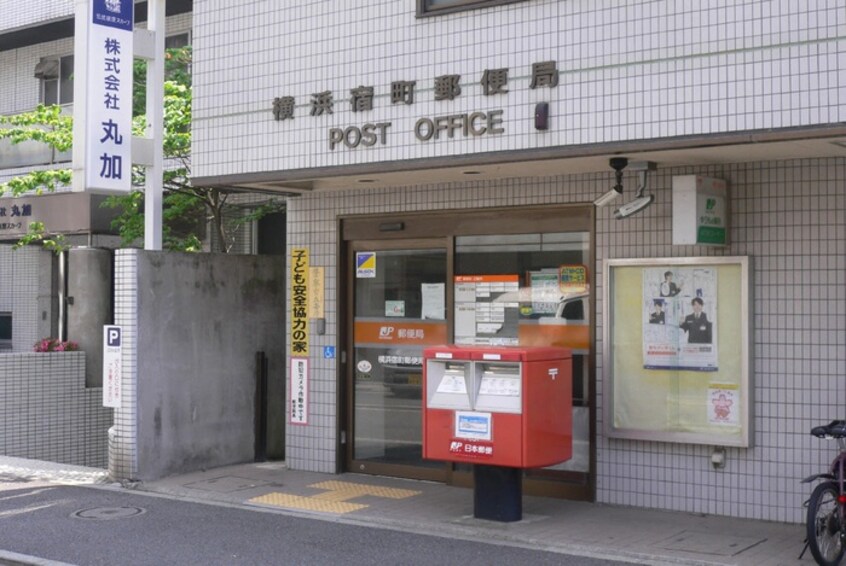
x=434 y=300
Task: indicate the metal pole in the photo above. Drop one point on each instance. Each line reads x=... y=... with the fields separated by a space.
x=155 y=128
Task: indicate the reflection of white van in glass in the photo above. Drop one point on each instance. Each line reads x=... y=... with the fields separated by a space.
x=575 y=308
x=568 y=327
x=572 y=317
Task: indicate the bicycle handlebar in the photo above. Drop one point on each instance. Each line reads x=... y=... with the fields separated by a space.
x=834 y=429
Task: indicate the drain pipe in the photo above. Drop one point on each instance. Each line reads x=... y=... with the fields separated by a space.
x=63 y=292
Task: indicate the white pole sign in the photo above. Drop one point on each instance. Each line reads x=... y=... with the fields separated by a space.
x=108 y=129
x=112 y=361
x=299 y=391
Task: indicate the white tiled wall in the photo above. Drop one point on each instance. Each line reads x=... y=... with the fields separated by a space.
x=24 y=14
x=627 y=71
x=46 y=411
x=26 y=292
x=789 y=217
x=19 y=89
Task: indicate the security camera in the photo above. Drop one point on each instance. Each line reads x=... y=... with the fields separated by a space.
x=633 y=207
x=640 y=201
x=618 y=164
x=611 y=195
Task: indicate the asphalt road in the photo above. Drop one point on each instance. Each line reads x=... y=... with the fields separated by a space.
x=90 y=526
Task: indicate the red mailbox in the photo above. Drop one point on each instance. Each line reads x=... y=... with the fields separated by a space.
x=498 y=406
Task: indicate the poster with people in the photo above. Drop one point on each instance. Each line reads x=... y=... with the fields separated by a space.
x=679 y=318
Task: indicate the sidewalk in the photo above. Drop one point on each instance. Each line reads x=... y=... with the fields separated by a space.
x=587 y=529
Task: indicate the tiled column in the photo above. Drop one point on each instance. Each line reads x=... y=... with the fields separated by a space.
x=123 y=436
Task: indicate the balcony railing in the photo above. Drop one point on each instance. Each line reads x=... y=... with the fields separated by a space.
x=30 y=154
x=33 y=154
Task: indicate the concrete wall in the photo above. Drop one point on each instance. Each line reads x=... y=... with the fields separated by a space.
x=47 y=413
x=192 y=326
x=89 y=305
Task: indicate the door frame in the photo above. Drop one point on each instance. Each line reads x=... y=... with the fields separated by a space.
x=348 y=376
x=400 y=230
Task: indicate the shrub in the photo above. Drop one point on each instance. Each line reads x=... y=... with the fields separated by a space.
x=55 y=345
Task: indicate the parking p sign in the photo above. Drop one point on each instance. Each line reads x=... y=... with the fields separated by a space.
x=113 y=336
x=112 y=362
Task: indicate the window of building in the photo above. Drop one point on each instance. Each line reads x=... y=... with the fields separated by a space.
x=56 y=75
x=176 y=41
x=5 y=331
x=434 y=7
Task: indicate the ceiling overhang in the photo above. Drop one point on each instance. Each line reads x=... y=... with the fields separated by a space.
x=770 y=145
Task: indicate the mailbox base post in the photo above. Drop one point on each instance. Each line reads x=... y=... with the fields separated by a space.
x=497 y=493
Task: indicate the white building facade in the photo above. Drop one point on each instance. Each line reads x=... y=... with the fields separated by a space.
x=425 y=141
x=431 y=140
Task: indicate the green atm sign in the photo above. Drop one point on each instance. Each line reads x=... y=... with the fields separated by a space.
x=708 y=235
x=711 y=225
x=700 y=214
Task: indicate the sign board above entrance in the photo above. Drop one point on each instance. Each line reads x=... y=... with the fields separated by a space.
x=445 y=88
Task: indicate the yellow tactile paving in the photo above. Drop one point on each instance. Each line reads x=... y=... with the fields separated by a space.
x=334 y=498
x=306 y=503
x=341 y=491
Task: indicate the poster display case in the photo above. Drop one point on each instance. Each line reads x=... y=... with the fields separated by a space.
x=677 y=350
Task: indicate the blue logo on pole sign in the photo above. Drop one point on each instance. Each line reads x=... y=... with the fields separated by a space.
x=328 y=352
x=113 y=336
x=114 y=13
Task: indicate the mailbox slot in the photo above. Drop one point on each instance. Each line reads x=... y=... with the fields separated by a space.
x=500 y=387
x=450 y=385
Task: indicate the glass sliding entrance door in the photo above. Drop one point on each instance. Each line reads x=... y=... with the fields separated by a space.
x=548 y=306
x=399 y=300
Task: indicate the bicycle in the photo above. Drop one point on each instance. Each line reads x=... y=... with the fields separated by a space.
x=826 y=521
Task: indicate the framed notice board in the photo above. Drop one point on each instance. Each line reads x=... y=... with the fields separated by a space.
x=677 y=350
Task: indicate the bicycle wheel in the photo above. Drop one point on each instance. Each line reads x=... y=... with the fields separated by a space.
x=824 y=525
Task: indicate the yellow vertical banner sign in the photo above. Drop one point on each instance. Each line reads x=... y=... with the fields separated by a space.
x=299 y=302
x=316 y=280
x=298 y=382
